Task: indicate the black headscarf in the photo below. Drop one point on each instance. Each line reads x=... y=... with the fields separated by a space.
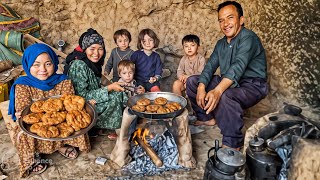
x=87 y=39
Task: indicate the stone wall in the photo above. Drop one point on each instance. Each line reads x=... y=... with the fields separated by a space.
x=289 y=31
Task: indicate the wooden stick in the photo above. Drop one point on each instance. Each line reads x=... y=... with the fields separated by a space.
x=150 y=152
x=31 y=38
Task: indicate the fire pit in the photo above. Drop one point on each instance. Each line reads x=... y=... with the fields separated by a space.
x=152 y=155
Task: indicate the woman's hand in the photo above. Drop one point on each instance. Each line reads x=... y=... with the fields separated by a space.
x=92 y=102
x=116 y=86
x=18 y=115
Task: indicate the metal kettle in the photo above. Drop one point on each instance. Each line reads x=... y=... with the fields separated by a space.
x=262 y=163
x=224 y=163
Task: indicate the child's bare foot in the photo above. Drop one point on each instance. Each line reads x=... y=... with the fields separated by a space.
x=211 y=122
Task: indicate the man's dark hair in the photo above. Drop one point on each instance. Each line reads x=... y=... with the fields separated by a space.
x=191 y=38
x=237 y=5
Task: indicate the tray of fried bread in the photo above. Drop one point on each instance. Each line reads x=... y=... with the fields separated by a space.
x=157 y=105
x=58 y=118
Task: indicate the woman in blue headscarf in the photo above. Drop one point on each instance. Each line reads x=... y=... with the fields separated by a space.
x=40 y=64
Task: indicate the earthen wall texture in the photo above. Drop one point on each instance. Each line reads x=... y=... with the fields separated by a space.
x=289 y=31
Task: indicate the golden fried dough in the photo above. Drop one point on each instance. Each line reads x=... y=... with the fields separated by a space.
x=139 y=108
x=65 y=130
x=36 y=107
x=160 y=101
x=48 y=131
x=143 y=102
x=152 y=108
x=32 y=118
x=53 y=118
x=52 y=105
x=73 y=102
x=78 y=119
x=35 y=127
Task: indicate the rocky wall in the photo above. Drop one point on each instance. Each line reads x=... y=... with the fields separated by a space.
x=289 y=31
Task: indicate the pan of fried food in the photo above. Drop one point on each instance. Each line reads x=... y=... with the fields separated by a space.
x=58 y=118
x=157 y=105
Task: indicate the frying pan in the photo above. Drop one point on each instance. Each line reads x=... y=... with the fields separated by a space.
x=171 y=97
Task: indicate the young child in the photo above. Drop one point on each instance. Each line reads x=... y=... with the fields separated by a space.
x=148 y=63
x=126 y=71
x=122 y=38
x=191 y=63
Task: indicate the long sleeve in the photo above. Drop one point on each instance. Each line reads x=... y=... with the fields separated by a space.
x=23 y=97
x=202 y=63
x=85 y=82
x=242 y=58
x=158 y=71
x=210 y=68
x=181 y=68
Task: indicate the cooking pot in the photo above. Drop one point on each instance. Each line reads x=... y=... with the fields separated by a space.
x=226 y=160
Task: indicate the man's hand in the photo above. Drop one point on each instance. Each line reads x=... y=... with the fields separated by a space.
x=201 y=94
x=116 y=86
x=212 y=98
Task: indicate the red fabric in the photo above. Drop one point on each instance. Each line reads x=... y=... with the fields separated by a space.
x=155 y=89
x=78 y=48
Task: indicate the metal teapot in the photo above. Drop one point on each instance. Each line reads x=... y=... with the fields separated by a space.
x=225 y=163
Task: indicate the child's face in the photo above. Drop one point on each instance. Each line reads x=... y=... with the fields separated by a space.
x=190 y=48
x=126 y=74
x=147 y=43
x=123 y=42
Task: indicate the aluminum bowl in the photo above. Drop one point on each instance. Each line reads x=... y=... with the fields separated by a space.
x=26 y=127
x=171 y=97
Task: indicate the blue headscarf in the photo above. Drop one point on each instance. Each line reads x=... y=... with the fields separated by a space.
x=28 y=58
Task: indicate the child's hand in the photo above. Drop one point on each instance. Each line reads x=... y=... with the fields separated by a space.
x=183 y=78
x=92 y=102
x=140 y=90
x=152 y=80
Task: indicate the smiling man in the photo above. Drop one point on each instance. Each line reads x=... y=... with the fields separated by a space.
x=243 y=80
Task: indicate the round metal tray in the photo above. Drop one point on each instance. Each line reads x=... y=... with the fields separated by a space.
x=171 y=97
x=26 y=127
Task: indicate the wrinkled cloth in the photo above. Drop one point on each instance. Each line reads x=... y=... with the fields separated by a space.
x=285 y=153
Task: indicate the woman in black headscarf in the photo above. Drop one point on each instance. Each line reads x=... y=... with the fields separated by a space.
x=85 y=73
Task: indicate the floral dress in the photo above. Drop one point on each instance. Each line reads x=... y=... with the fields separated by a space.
x=109 y=105
x=28 y=146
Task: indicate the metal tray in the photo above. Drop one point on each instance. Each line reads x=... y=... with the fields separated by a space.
x=171 y=97
x=26 y=127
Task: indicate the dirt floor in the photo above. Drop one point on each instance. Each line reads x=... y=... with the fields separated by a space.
x=84 y=166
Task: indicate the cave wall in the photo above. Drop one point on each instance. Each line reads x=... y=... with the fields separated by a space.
x=289 y=31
